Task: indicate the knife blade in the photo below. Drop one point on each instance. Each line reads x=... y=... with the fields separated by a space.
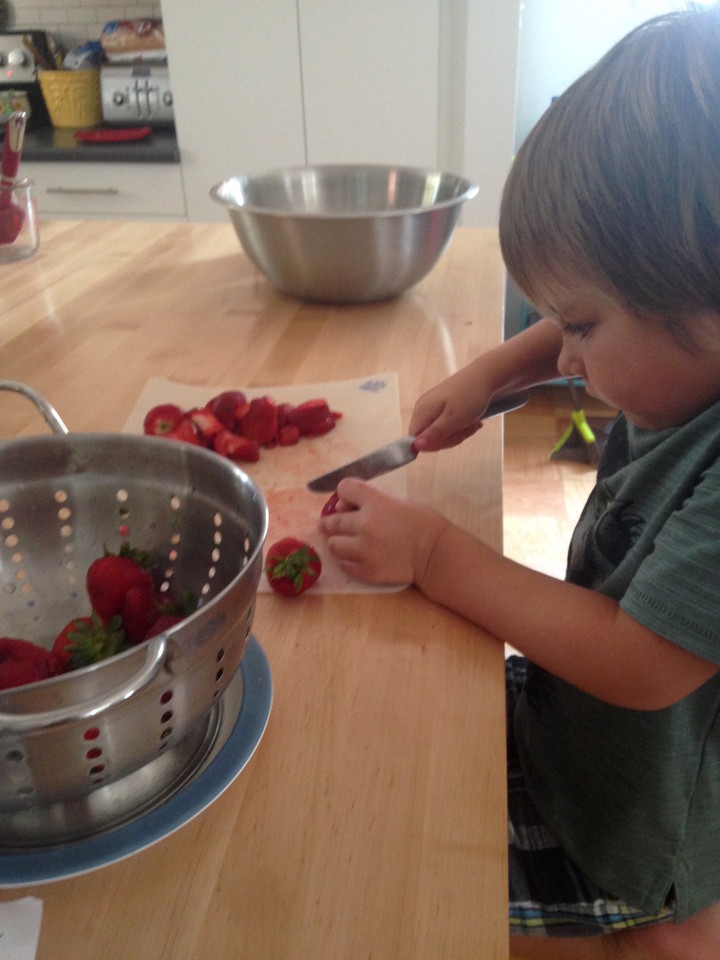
x=399 y=452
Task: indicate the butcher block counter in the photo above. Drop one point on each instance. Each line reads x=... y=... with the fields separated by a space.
x=370 y=821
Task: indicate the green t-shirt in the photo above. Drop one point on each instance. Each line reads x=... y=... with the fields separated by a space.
x=634 y=796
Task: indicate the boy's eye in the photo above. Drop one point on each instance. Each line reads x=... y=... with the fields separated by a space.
x=579 y=330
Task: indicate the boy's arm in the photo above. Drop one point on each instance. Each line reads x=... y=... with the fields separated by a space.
x=525 y=359
x=575 y=633
x=452 y=410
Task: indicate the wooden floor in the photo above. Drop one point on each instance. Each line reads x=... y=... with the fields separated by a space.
x=543 y=497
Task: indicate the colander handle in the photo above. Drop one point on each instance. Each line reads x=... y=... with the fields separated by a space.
x=24 y=723
x=49 y=413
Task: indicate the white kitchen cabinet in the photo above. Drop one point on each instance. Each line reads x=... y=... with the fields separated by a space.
x=290 y=82
x=237 y=89
x=130 y=190
x=370 y=73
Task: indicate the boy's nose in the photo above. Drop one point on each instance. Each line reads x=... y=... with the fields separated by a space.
x=569 y=362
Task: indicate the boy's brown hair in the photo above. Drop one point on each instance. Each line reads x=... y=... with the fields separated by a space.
x=618 y=184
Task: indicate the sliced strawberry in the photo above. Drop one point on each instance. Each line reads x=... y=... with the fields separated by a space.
x=185 y=431
x=312 y=418
x=161 y=420
x=260 y=422
x=206 y=424
x=283 y=414
x=241 y=411
x=288 y=436
x=224 y=405
x=242 y=449
x=330 y=506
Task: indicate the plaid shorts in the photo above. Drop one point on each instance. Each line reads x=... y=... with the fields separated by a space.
x=549 y=896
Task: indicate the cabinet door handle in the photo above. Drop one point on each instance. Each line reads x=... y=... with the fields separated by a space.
x=103 y=191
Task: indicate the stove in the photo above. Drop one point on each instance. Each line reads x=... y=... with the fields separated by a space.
x=136 y=94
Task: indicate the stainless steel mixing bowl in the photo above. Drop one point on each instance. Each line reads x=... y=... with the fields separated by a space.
x=345 y=233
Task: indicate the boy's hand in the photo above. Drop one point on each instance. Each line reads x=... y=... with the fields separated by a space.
x=450 y=412
x=379 y=538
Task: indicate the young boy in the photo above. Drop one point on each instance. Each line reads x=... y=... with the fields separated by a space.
x=610 y=224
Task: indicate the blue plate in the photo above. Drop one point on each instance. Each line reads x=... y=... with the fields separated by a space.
x=70 y=859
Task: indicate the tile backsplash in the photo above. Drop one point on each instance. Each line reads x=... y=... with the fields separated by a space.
x=71 y=23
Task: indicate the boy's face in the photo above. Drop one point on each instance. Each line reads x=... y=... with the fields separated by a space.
x=635 y=365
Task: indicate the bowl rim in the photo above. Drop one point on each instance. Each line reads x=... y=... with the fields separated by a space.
x=469 y=191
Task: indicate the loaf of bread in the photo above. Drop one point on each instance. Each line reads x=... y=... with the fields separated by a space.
x=128 y=40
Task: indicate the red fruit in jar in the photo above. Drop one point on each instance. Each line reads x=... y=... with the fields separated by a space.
x=260 y=421
x=312 y=418
x=227 y=405
x=292 y=566
x=240 y=449
x=162 y=419
x=23 y=662
x=110 y=577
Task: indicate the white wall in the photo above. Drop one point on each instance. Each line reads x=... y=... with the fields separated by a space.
x=370 y=81
x=561 y=39
x=490 y=78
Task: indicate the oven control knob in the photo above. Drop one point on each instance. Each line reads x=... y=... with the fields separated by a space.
x=167 y=99
x=118 y=98
x=17 y=58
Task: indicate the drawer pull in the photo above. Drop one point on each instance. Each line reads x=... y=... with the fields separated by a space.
x=96 y=191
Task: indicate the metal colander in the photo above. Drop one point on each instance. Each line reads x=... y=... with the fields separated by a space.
x=63 y=499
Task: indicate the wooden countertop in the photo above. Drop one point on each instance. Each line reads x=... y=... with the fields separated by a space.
x=371 y=821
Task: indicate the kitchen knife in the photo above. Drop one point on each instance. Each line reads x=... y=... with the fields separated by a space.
x=399 y=452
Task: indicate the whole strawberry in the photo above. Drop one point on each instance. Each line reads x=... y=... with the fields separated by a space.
x=164 y=622
x=23 y=662
x=111 y=576
x=144 y=607
x=292 y=566
x=141 y=608
x=87 y=640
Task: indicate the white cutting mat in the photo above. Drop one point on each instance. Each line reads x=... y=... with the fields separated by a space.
x=370 y=408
